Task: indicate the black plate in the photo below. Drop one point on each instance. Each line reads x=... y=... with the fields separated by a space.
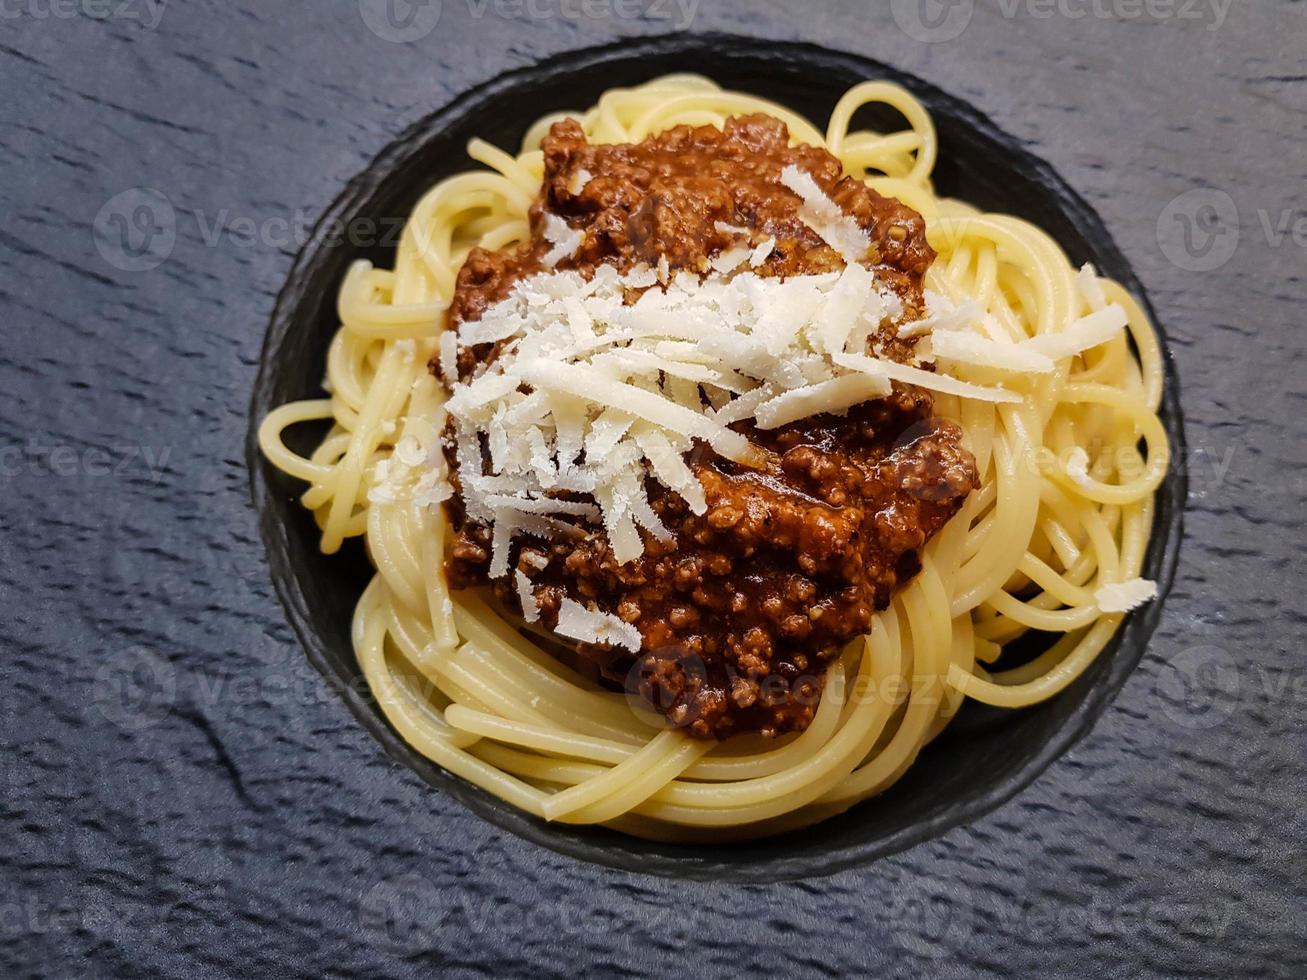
x=985 y=756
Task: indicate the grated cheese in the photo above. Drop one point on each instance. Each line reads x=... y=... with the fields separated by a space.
x=1121 y=597
x=969 y=348
x=731 y=259
x=579 y=180
x=1084 y=334
x=1090 y=288
x=591 y=393
x=1077 y=466
x=943 y=315
x=565 y=239
x=835 y=396
x=907 y=374
x=541 y=505
x=409 y=451
x=577 y=622
x=526 y=595
x=590 y=384
x=449 y=355
x=500 y=541
x=825 y=217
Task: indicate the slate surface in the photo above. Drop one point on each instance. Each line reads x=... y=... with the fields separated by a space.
x=238 y=821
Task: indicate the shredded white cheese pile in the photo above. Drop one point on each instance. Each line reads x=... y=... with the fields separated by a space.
x=825 y=217
x=589 y=394
x=1121 y=597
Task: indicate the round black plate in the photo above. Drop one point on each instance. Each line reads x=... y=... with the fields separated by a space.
x=985 y=756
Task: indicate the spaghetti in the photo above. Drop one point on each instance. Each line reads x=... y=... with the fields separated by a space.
x=1052 y=541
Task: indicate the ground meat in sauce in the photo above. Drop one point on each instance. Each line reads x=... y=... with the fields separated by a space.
x=742 y=612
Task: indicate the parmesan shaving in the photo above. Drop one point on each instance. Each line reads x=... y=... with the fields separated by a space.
x=731 y=259
x=943 y=315
x=526 y=595
x=542 y=505
x=1121 y=597
x=1077 y=466
x=500 y=542
x=590 y=384
x=824 y=216
x=449 y=356
x=925 y=379
x=744 y=407
x=1090 y=288
x=671 y=470
x=409 y=451
x=835 y=396
x=579 y=180
x=1084 y=334
x=640 y=277
x=577 y=622
x=565 y=239
x=970 y=348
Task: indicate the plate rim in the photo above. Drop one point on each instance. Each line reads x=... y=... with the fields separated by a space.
x=1126 y=650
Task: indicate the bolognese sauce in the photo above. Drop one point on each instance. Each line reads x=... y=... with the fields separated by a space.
x=744 y=605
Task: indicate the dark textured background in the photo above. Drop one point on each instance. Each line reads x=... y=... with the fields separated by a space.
x=182 y=794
